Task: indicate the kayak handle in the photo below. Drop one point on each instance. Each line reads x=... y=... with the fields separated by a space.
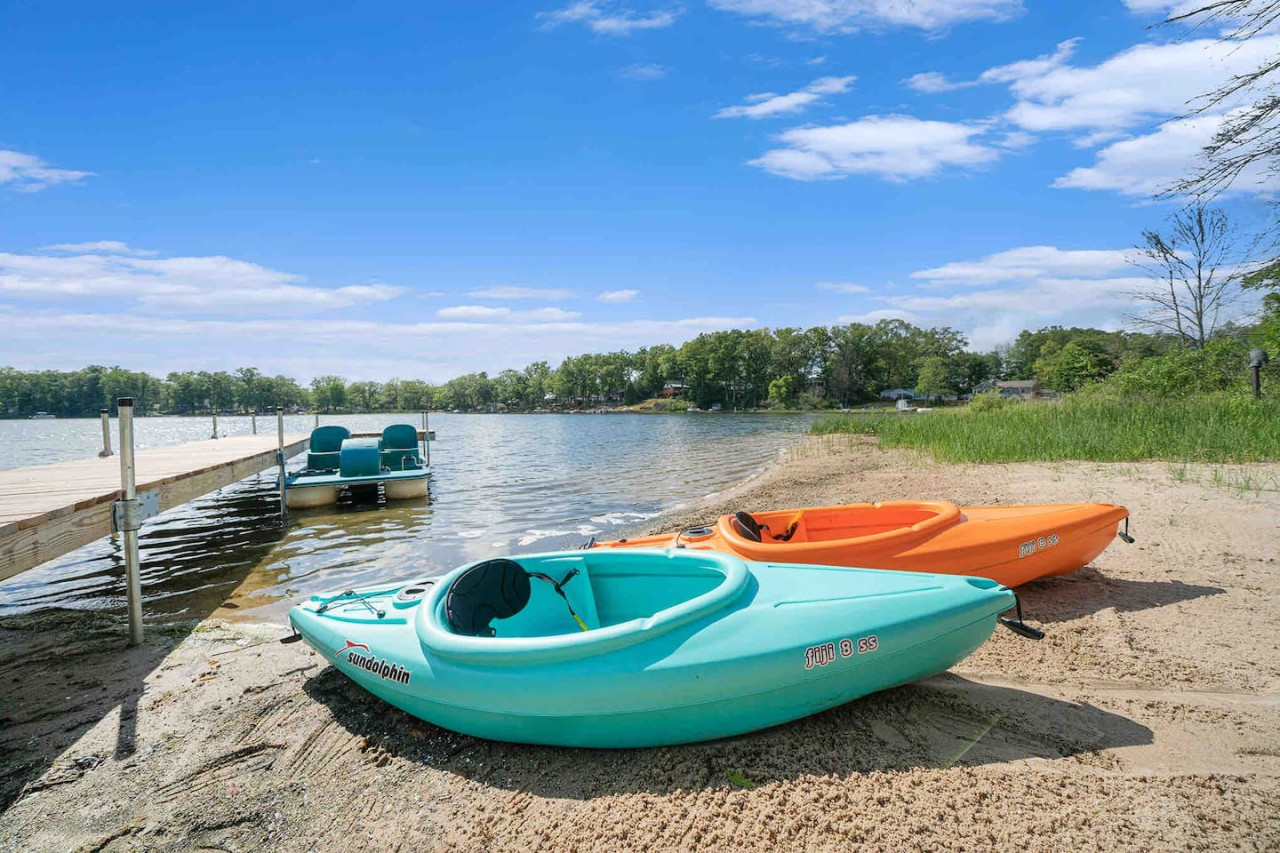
x=1019 y=627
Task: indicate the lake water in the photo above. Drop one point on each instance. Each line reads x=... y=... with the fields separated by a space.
x=501 y=484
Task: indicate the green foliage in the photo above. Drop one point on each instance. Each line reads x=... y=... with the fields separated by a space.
x=1184 y=371
x=1102 y=427
x=782 y=390
x=934 y=380
x=1035 y=355
x=991 y=401
x=853 y=423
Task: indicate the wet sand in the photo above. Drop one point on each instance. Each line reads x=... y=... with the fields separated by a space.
x=1146 y=720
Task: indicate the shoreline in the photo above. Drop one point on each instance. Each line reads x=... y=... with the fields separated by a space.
x=1146 y=720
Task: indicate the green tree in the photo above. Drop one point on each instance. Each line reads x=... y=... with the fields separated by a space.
x=934 y=380
x=329 y=392
x=782 y=390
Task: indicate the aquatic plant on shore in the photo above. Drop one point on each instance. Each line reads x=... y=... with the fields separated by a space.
x=1101 y=426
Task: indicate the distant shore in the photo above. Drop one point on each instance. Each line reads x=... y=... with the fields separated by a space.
x=1146 y=720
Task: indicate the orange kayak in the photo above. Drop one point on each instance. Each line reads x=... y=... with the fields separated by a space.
x=1008 y=544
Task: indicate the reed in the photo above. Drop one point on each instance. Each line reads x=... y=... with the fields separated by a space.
x=1226 y=428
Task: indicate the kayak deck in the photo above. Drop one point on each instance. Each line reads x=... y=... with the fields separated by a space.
x=1008 y=544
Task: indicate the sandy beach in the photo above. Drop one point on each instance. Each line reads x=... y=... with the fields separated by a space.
x=1145 y=720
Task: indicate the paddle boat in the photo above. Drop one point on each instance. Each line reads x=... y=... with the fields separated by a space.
x=1008 y=544
x=631 y=648
x=337 y=463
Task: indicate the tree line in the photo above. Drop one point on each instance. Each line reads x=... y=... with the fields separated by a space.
x=789 y=367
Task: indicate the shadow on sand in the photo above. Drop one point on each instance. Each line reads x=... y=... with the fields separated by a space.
x=941 y=722
x=1088 y=591
x=62 y=671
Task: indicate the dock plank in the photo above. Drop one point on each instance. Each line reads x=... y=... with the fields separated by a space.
x=48 y=510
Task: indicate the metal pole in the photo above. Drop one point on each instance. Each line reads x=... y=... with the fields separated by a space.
x=106 y=433
x=1257 y=358
x=215 y=424
x=426 y=437
x=284 y=507
x=253 y=420
x=128 y=492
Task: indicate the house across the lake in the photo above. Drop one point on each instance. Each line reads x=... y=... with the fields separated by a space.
x=897 y=394
x=1017 y=389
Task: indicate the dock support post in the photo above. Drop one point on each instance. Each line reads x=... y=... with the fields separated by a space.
x=284 y=506
x=128 y=492
x=106 y=433
x=253 y=421
x=317 y=417
x=426 y=438
x=215 y=424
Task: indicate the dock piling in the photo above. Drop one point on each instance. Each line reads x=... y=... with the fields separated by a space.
x=215 y=424
x=284 y=506
x=106 y=433
x=253 y=421
x=317 y=418
x=426 y=440
x=129 y=530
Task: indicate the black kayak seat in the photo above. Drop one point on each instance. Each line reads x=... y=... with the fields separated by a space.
x=494 y=589
x=746 y=527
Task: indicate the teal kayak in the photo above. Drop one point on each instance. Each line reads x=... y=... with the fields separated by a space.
x=634 y=647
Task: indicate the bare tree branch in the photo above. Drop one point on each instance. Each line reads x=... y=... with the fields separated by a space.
x=1250 y=135
x=1195 y=272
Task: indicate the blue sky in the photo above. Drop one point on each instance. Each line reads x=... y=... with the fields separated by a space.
x=421 y=191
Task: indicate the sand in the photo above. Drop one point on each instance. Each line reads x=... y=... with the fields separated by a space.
x=1146 y=720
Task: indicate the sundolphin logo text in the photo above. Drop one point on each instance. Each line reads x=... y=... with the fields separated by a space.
x=381 y=668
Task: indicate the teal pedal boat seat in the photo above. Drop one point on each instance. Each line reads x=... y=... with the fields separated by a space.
x=644 y=647
x=323 y=453
x=400 y=448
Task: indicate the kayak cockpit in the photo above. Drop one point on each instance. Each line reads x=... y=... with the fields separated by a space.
x=863 y=522
x=575 y=604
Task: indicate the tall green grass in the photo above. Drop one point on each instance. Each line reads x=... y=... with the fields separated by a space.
x=1096 y=427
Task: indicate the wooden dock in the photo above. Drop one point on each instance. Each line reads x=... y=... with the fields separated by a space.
x=48 y=510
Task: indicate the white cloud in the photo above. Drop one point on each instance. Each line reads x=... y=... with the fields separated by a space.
x=870 y=318
x=817 y=60
x=1028 y=263
x=482 y=313
x=1144 y=82
x=644 y=71
x=847 y=16
x=895 y=147
x=932 y=82
x=617 y=297
x=1027 y=68
x=1154 y=162
x=437 y=350
x=473 y=312
x=211 y=285
x=842 y=287
x=769 y=104
x=610 y=19
x=1109 y=101
x=994 y=297
x=548 y=315
x=105 y=247
x=505 y=292
x=27 y=173
x=1164 y=7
